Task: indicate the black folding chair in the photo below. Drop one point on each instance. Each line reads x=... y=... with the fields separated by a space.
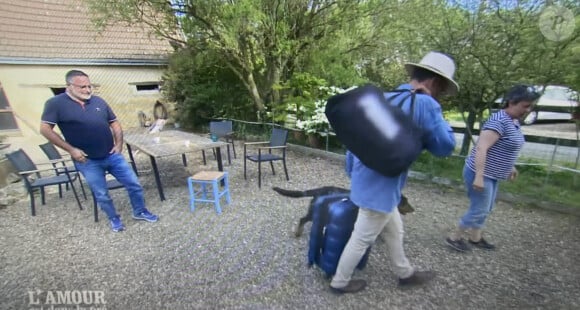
x=33 y=180
x=53 y=154
x=277 y=143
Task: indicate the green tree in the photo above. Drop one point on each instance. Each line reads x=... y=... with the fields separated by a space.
x=203 y=88
x=259 y=40
x=496 y=45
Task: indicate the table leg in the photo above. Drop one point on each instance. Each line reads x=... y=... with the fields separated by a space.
x=218 y=158
x=157 y=178
x=132 y=159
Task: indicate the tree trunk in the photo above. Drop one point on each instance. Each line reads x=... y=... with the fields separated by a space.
x=467 y=133
x=274 y=79
x=314 y=140
x=577 y=121
x=247 y=77
x=253 y=89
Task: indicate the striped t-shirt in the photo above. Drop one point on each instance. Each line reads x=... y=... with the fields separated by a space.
x=501 y=157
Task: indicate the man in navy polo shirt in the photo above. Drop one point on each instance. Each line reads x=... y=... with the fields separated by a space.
x=94 y=139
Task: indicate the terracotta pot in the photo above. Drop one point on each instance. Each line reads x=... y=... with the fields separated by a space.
x=314 y=141
x=298 y=135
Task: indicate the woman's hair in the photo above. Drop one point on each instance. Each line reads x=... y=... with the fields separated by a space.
x=521 y=92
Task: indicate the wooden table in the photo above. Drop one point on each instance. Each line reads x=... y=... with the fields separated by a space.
x=169 y=143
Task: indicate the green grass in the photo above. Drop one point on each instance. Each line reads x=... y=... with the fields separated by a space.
x=537 y=182
x=455 y=115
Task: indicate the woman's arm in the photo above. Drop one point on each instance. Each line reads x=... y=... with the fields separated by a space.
x=487 y=139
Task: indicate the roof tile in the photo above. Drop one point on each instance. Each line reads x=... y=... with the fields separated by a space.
x=62 y=29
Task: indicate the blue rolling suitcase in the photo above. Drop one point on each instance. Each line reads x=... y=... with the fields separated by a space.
x=332 y=224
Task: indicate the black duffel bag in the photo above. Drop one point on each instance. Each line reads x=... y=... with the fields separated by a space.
x=381 y=135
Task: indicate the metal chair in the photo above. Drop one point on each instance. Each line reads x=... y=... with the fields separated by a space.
x=277 y=142
x=53 y=154
x=33 y=180
x=222 y=129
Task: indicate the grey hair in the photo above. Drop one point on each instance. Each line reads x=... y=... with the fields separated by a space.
x=73 y=73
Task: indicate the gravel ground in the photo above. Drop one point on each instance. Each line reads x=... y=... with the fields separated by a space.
x=247 y=258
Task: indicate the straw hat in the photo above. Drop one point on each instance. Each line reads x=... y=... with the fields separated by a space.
x=440 y=64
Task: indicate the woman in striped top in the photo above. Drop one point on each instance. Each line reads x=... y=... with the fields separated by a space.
x=493 y=159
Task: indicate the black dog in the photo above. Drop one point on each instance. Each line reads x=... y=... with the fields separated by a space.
x=404 y=206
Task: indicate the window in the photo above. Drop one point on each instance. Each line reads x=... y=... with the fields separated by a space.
x=146 y=87
x=58 y=90
x=7 y=120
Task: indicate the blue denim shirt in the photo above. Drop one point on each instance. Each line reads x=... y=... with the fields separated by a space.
x=372 y=190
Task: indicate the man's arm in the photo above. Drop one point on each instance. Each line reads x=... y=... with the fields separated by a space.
x=47 y=130
x=440 y=140
x=348 y=163
x=117 y=136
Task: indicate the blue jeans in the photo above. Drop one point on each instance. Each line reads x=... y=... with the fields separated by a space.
x=480 y=202
x=94 y=171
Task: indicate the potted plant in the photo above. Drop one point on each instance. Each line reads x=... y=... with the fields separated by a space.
x=316 y=125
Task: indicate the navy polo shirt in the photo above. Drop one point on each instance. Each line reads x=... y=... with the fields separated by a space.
x=86 y=128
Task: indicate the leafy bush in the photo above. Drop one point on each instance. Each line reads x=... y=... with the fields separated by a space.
x=203 y=89
x=299 y=91
x=315 y=120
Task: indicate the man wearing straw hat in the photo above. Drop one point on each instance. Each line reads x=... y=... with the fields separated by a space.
x=378 y=195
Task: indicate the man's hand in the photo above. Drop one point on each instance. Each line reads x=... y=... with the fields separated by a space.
x=78 y=155
x=117 y=149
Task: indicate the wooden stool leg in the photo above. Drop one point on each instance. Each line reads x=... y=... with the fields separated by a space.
x=191 y=194
x=227 y=188
x=203 y=190
x=216 y=196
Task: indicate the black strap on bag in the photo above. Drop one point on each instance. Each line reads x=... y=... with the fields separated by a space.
x=380 y=134
x=410 y=93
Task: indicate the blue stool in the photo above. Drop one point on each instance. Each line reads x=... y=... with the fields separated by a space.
x=212 y=178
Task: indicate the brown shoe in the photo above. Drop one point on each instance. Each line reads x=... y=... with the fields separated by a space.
x=404 y=206
x=353 y=286
x=418 y=278
x=298 y=230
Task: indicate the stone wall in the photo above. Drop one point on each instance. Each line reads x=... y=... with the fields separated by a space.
x=6 y=170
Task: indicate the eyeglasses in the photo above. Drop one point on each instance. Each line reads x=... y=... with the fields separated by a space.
x=83 y=86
